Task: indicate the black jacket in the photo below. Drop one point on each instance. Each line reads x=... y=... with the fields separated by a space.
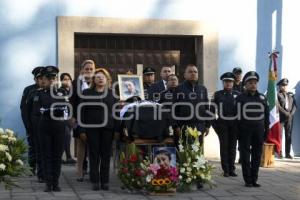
x=286 y=114
x=96 y=114
x=155 y=90
x=195 y=95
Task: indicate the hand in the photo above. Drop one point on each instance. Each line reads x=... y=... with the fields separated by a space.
x=206 y=132
x=73 y=122
x=117 y=136
x=177 y=131
x=83 y=137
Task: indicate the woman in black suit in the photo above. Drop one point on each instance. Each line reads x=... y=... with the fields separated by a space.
x=98 y=125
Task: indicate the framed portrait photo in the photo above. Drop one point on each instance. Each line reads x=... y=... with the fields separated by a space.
x=130 y=85
x=165 y=156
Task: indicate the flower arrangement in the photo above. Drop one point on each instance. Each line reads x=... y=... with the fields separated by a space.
x=193 y=167
x=160 y=179
x=12 y=158
x=140 y=174
x=130 y=170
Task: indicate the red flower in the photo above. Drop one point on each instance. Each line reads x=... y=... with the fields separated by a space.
x=133 y=158
x=138 y=172
x=125 y=170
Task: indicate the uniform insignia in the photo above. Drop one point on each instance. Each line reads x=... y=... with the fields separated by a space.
x=36 y=98
x=262 y=97
x=59 y=94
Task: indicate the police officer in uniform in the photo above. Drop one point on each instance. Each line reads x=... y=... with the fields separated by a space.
x=148 y=79
x=287 y=108
x=253 y=125
x=34 y=118
x=25 y=118
x=223 y=103
x=238 y=84
x=54 y=112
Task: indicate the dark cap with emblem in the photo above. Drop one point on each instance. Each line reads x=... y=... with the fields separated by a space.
x=148 y=70
x=50 y=71
x=237 y=70
x=251 y=75
x=228 y=76
x=283 y=81
x=37 y=71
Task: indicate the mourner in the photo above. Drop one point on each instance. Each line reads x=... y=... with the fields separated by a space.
x=167 y=95
x=158 y=87
x=66 y=84
x=195 y=99
x=225 y=125
x=26 y=121
x=100 y=135
x=238 y=84
x=54 y=112
x=287 y=108
x=148 y=79
x=253 y=127
x=83 y=82
x=34 y=115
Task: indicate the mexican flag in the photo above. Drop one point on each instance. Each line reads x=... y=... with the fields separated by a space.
x=274 y=135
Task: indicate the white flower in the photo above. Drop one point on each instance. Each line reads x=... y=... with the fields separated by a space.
x=185 y=164
x=2 y=167
x=8 y=156
x=181 y=148
x=3 y=147
x=194 y=177
x=182 y=170
x=12 y=139
x=189 y=169
x=149 y=178
x=195 y=147
x=180 y=177
x=188 y=180
x=200 y=162
x=4 y=136
x=20 y=162
x=1 y=131
x=9 y=132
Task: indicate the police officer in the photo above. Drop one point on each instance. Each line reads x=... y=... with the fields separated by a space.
x=253 y=120
x=223 y=103
x=25 y=118
x=287 y=108
x=34 y=118
x=148 y=79
x=238 y=84
x=54 y=112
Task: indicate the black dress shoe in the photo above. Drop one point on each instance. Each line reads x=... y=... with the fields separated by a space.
x=248 y=185
x=104 y=187
x=56 y=188
x=95 y=187
x=289 y=157
x=79 y=179
x=226 y=174
x=48 y=188
x=199 y=185
x=233 y=174
x=256 y=184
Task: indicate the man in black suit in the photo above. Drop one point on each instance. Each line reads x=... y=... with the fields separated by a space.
x=158 y=87
x=287 y=108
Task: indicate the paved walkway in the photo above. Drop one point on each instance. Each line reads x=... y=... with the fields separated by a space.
x=282 y=182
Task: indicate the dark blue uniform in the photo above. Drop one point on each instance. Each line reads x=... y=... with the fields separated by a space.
x=52 y=133
x=226 y=127
x=253 y=129
x=29 y=129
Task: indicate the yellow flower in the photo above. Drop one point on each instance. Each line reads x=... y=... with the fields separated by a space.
x=193 y=132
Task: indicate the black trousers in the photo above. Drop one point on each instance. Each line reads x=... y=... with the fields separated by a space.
x=52 y=140
x=287 y=126
x=100 y=147
x=67 y=145
x=39 y=158
x=227 y=133
x=31 y=140
x=251 y=138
